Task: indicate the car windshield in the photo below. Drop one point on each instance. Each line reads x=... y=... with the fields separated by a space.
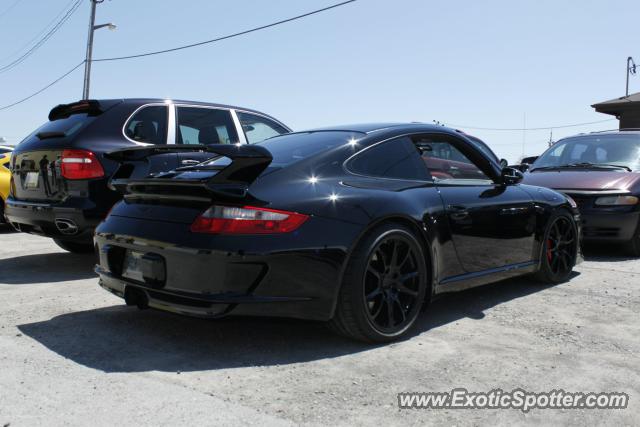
x=615 y=151
x=288 y=149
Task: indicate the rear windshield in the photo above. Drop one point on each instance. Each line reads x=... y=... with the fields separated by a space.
x=288 y=149
x=68 y=126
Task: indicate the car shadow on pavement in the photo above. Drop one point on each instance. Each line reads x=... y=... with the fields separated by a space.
x=125 y=339
x=604 y=252
x=7 y=229
x=46 y=268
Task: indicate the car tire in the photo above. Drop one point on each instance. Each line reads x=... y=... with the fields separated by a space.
x=633 y=246
x=383 y=287
x=559 y=251
x=75 y=247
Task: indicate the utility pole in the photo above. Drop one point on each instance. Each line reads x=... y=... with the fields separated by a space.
x=524 y=133
x=631 y=69
x=87 y=62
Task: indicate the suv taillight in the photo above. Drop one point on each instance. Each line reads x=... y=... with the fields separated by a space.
x=246 y=220
x=80 y=164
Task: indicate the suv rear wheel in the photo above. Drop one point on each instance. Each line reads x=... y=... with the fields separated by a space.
x=74 y=247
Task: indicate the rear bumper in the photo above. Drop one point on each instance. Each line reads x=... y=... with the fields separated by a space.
x=292 y=275
x=197 y=305
x=610 y=226
x=49 y=220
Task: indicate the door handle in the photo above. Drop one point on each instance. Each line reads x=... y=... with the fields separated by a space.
x=458 y=213
x=190 y=162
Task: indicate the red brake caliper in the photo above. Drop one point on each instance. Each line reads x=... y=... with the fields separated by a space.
x=549 y=253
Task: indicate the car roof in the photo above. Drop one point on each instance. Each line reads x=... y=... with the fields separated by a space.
x=142 y=101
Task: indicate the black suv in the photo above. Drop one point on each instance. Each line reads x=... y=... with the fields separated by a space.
x=61 y=172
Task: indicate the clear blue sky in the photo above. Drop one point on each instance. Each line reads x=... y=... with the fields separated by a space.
x=466 y=62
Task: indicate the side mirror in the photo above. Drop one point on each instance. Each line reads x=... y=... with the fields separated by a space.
x=511 y=176
x=503 y=163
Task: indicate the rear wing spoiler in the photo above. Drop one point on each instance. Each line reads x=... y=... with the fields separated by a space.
x=90 y=106
x=247 y=163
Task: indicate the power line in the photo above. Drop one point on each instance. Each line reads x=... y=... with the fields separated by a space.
x=263 y=27
x=43 y=89
x=44 y=39
x=174 y=49
x=39 y=34
x=528 y=129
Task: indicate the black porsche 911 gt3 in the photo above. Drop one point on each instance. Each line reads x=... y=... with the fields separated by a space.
x=361 y=226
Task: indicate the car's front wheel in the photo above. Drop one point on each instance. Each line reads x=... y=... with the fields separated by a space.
x=633 y=246
x=559 y=249
x=383 y=287
x=74 y=247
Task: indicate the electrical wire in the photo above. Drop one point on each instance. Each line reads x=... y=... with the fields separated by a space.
x=44 y=39
x=43 y=89
x=171 y=50
x=529 y=129
x=241 y=33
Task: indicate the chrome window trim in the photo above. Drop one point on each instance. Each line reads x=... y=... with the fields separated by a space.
x=265 y=117
x=152 y=104
x=432 y=181
x=171 y=131
x=236 y=121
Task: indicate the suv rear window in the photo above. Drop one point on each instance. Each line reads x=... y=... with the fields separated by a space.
x=64 y=128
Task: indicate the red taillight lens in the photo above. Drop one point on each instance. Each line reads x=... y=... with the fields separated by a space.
x=80 y=164
x=246 y=220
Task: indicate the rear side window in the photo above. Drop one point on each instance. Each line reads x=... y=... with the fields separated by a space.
x=148 y=125
x=205 y=126
x=257 y=128
x=398 y=158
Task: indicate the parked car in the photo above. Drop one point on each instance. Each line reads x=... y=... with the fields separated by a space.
x=5 y=177
x=526 y=163
x=601 y=172
x=345 y=225
x=60 y=172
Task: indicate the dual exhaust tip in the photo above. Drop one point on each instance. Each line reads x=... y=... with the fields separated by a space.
x=66 y=226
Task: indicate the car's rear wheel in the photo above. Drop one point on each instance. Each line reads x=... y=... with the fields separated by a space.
x=560 y=249
x=384 y=286
x=74 y=247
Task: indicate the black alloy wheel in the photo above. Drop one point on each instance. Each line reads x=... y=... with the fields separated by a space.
x=384 y=286
x=391 y=283
x=560 y=248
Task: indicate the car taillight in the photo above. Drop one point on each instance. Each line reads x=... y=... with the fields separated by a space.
x=246 y=220
x=80 y=164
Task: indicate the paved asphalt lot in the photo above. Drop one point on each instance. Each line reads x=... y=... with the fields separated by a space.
x=72 y=354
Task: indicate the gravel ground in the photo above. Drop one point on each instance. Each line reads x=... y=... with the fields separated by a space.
x=73 y=354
